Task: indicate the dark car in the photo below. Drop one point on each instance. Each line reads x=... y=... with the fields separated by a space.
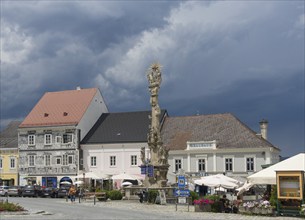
x=31 y=191
x=15 y=191
x=63 y=191
x=49 y=192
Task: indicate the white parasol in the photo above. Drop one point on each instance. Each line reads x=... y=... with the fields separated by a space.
x=126 y=184
x=78 y=182
x=65 y=183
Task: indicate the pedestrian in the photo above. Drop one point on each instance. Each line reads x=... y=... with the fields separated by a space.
x=72 y=192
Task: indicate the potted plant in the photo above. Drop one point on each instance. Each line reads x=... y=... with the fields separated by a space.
x=203 y=205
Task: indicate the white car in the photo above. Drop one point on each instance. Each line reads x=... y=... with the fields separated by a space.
x=3 y=190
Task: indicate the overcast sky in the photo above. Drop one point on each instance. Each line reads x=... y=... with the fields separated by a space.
x=242 y=57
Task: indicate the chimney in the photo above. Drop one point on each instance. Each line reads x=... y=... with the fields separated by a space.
x=78 y=88
x=264 y=128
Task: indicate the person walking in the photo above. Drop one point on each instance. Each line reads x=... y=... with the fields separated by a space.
x=72 y=192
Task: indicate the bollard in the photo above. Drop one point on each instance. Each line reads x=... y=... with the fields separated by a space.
x=79 y=199
x=66 y=197
x=94 y=198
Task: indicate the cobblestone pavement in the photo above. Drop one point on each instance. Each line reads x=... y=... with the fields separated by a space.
x=182 y=210
x=140 y=210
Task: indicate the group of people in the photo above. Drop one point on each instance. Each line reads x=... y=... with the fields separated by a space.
x=227 y=207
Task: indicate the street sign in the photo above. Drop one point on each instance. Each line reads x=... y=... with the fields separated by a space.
x=181 y=182
x=182 y=192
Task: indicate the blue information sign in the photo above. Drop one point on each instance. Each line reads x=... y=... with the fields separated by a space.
x=181 y=182
x=182 y=192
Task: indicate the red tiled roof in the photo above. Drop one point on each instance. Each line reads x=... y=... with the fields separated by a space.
x=60 y=108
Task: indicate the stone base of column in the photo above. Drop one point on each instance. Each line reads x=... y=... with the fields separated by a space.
x=160 y=177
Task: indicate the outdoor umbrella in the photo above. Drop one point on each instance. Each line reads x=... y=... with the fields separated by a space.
x=217 y=181
x=90 y=175
x=65 y=183
x=126 y=184
x=124 y=176
x=78 y=182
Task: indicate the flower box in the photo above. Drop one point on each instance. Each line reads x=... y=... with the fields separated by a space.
x=203 y=208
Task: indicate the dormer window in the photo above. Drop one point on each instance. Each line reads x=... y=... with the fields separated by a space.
x=46 y=114
x=201 y=145
x=65 y=113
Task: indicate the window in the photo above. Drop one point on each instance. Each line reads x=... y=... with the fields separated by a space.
x=178 y=164
x=31 y=160
x=31 y=140
x=250 y=164
x=93 y=161
x=201 y=165
x=13 y=163
x=47 y=160
x=65 y=159
x=229 y=164
x=1 y=163
x=47 y=139
x=67 y=138
x=112 y=161
x=58 y=140
x=70 y=159
x=134 y=160
x=58 y=160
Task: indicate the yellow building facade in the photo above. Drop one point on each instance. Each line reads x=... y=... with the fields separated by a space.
x=9 y=155
x=9 y=166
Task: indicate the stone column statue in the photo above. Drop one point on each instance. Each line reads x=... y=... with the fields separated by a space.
x=159 y=155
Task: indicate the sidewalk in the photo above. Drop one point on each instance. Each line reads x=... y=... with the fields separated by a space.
x=182 y=210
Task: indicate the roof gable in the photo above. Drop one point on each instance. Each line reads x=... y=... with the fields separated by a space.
x=124 y=127
x=60 y=108
x=226 y=129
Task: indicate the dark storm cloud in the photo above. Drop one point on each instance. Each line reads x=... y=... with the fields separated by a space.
x=279 y=100
x=241 y=57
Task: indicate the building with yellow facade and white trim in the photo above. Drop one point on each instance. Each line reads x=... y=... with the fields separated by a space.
x=9 y=155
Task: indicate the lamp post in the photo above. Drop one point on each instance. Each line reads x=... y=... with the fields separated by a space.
x=84 y=175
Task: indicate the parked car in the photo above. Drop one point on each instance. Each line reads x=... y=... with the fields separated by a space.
x=3 y=190
x=31 y=191
x=15 y=191
x=63 y=191
x=49 y=192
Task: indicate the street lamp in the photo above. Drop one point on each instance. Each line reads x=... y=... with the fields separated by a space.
x=84 y=175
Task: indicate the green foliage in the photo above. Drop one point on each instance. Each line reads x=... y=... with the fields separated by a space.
x=152 y=195
x=212 y=197
x=216 y=206
x=273 y=196
x=194 y=196
x=10 y=207
x=115 y=195
x=103 y=190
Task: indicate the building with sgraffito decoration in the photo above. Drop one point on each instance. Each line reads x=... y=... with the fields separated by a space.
x=50 y=135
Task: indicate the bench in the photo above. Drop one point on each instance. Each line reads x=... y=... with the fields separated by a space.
x=100 y=196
